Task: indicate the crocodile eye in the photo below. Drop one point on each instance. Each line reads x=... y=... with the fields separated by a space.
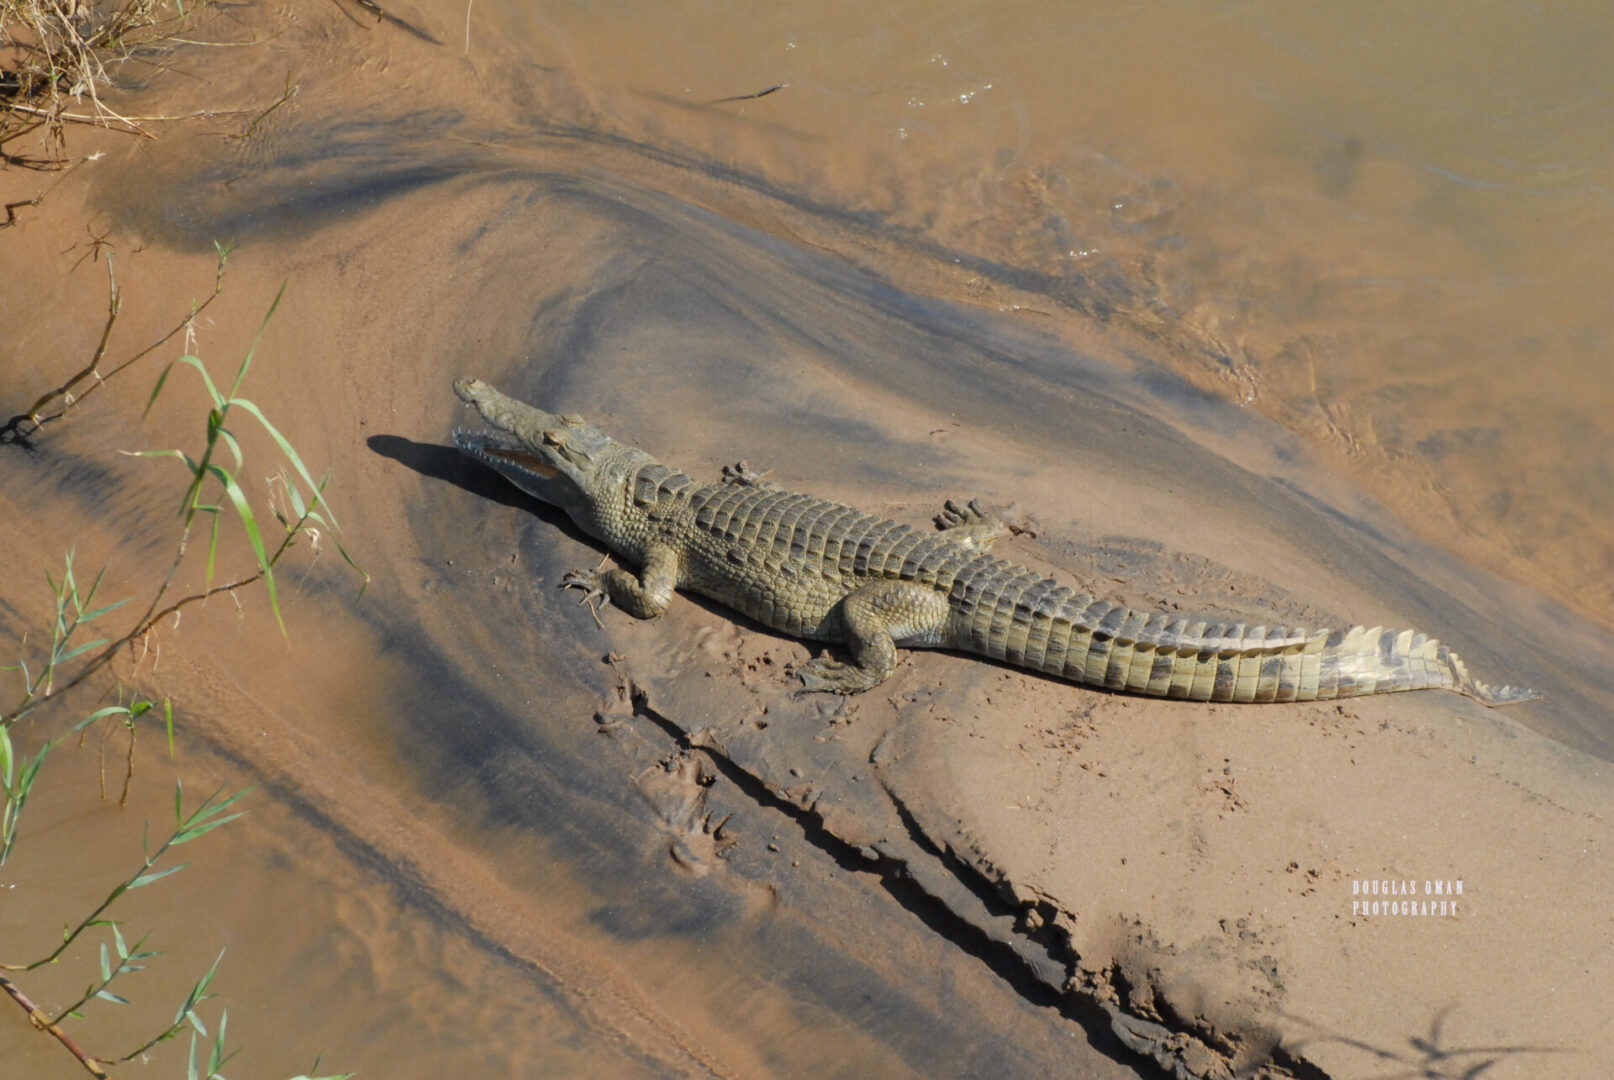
x=556 y=438
x=572 y=419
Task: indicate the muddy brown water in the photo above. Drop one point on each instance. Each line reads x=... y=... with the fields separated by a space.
x=1315 y=300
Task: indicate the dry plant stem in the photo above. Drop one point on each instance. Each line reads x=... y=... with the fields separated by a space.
x=44 y=1023
x=289 y=93
x=128 y=767
x=128 y=772
x=59 y=54
x=65 y=392
x=81 y=118
x=12 y=207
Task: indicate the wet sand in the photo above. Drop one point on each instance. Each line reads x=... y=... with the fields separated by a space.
x=478 y=840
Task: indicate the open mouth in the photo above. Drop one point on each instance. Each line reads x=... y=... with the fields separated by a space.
x=488 y=448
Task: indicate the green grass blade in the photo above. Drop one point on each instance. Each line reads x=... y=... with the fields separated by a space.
x=180 y=454
x=291 y=456
x=187 y=505
x=212 y=550
x=202 y=830
x=207 y=380
x=209 y=807
x=156 y=875
x=215 y=1059
x=246 y=361
x=157 y=389
x=361 y=571
x=198 y=825
x=89 y=597
x=30 y=771
x=89 y=616
x=235 y=447
x=298 y=507
x=110 y=710
x=198 y=995
x=244 y=509
x=84 y=648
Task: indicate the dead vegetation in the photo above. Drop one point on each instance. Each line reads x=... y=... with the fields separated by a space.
x=58 y=58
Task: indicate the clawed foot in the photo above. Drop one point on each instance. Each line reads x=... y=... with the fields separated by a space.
x=954 y=516
x=835 y=677
x=589 y=582
x=970 y=525
x=742 y=473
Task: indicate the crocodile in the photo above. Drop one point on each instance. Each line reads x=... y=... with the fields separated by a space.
x=823 y=571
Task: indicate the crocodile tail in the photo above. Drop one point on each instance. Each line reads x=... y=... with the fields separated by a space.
x=1484 y=693
x=1046 y=627
x=1375 y=660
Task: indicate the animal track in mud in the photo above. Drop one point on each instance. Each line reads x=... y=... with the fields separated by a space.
x=675 y=787
x=759 y=663
x=676 y=790
x=1310 y=878
x=1222 y=782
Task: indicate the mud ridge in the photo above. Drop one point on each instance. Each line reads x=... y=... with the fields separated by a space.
x=897 y=877
x=1180 y=1046
x=1031 y=955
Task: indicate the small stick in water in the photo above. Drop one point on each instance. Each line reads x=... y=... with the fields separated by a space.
x=750 y=97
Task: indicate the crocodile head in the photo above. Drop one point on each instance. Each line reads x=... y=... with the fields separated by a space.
x=557 y=459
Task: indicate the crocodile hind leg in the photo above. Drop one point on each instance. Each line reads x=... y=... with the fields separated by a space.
x=969 y=526
x=643 y=595
x=875 y=619
x=743 y=474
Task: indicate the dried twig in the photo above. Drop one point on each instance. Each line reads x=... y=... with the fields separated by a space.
x=43 y=1022
x=59 y=52
x=289 y=93
x=750 y=97
x=37 y=417
x=81 y=118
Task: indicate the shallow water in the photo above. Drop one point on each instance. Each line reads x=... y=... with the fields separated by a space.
x=1318 y=294
x=1386 y=227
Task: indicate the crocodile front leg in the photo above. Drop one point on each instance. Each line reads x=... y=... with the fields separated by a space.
x=643 y=595
x=875 y=619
